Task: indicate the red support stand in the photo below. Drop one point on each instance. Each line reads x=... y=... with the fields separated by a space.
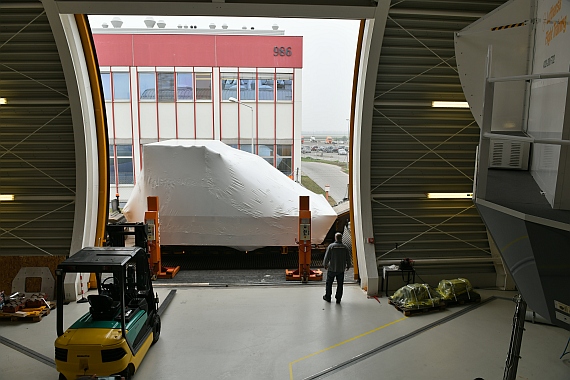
x=304 y=273
x=151 y=220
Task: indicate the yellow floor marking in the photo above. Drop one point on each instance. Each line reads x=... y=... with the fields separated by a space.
x=340 y=344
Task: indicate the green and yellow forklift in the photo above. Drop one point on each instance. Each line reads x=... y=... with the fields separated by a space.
x=122 y=323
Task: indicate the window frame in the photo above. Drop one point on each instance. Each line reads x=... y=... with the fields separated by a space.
x=178 y=81
x=115 y=165
x=115 y=83
x=228 y=76
x=106 y=86
x=265 y=77
x=147 y=73
x=250 y=78
x=279 y=148
x=198 y=80
x=278 y=77
x=170 y=87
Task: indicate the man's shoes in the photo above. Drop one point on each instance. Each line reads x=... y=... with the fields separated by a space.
x=338 y=300
x=326 y=299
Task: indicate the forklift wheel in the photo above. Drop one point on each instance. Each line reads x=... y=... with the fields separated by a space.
x=155 y=328
x=127 y=373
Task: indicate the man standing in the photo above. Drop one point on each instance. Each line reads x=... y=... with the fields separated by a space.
x=336 y=261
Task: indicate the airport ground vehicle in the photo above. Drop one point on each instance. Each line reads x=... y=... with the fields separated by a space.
x=113 y=337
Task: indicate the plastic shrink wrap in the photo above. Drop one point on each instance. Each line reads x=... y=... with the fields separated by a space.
x=212 y=194
x=458 y=289
x=416 y=296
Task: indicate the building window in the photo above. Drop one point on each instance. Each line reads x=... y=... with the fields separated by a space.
x=229 y=86
x=285 y=87
x=266 y=87
x=246 y=147
x=165 y=87
x=284 y=159
x=203 y=86
x=122 y=162
x=106 y=82
x=121 y=86
x=147 y=86
x=184 y=86
x=266 y=152
x=247 y=86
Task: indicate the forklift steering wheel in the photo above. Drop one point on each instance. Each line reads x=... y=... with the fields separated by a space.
x=111 y=288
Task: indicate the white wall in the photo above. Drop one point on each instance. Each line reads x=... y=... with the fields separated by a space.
x=123 y=123
x=266 y=120
x=148 y=117
x=185 y=120
x=229 y=121
x=167 y=121
x=284 y=121
x=204 y=120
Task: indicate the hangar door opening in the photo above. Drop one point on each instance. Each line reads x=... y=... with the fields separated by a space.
x=179 y=90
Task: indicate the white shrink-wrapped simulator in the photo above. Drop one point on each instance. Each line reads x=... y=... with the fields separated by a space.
x=212 y=194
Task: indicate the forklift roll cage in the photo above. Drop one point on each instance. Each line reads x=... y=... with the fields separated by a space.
x=115 y=261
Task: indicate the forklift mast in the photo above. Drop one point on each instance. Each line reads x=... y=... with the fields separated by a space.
x=147 y=237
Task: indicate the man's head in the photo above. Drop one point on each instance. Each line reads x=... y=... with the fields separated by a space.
x=338 y=237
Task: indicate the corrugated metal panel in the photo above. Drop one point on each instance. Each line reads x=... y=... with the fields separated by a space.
x=417 y=149
x=37 y=148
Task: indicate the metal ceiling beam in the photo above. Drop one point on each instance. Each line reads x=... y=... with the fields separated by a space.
x=347 y=9
x=435 y=13
x=22 y=5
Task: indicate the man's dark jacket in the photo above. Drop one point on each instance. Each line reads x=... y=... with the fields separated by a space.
x=337 y=257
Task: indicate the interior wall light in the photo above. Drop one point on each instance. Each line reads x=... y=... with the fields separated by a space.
x=3 y=101
x=6 y=197
x=449 y=195
x=441 y=104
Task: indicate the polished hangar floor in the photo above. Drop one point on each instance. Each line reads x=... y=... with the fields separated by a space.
x=286 y=331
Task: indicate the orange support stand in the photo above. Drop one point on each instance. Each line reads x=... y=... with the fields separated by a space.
x=304 y=272
x=153 y=237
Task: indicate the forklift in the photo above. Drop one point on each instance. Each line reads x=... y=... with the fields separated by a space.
x=113 y=337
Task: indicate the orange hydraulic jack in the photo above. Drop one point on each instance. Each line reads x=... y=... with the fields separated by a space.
x=153 y=237
x=304 y=272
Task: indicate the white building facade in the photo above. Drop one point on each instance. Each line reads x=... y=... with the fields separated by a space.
x=241 y=88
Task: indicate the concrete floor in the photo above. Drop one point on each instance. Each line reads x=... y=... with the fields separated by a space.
x=289 y=332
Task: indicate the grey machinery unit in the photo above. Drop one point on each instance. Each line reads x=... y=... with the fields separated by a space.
x=518 y=93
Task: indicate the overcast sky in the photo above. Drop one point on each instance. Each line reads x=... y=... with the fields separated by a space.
x=329 y=47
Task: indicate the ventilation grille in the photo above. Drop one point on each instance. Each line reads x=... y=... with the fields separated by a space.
x=509 y=154
x=61 y=354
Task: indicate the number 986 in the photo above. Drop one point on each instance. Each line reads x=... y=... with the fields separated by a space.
x=282 y=51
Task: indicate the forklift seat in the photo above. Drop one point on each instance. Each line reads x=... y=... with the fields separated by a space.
x=139 y=303
x=102 y=307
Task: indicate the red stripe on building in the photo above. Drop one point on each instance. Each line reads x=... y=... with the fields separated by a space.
x=114 y=49
x=259 y=51
x=173 y=50
x=198 y=50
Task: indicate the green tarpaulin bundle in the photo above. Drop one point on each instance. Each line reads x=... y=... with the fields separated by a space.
x=416 y=296
x=456 y=290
